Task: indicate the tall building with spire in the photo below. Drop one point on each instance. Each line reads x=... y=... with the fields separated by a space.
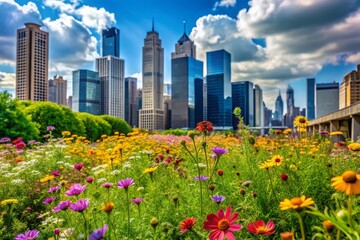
x=187 y=85
x=32 y=57
x=151 y=116
x=279 y=108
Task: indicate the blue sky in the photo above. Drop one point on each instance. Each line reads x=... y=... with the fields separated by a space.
x=273 y=42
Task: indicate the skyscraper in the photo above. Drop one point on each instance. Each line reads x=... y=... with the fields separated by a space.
x=310 y=98
x=32 y=55
x=279 y=108
x=258 y=107
x=130 y=101
x=327 y=98
x=111 y=74
x=151 y=116
x=86 y=92
x=111 y=42
x=187 y=85
x=218 y=81
x=57 y=90
x=350 y=88
x=243 y=97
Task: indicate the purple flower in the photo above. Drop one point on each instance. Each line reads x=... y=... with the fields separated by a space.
x=201 y=178
x=324 y=133
x=137 y=200
x=107 y=185
x=50 y=128
x=56 y=173
x=98 y=233
x=75 y=190
x=125 y=183
x=57 y=231
x=53 y=189
x=78 y=166
x=5 y=140
x=31 y=142
x=218 y=198
x=89 y=179
x=80 y=205
x=219 y=151
x=28 y=235
x=62 y=206
x=49 y=200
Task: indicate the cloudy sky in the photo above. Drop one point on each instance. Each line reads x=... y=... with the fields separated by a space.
x=272 y=42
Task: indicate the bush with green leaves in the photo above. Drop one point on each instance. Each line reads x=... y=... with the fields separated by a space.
x=13 y=121
x=92 y=128
x=117 y=124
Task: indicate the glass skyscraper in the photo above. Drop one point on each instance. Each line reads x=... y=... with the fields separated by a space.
x=327 y=98
x=310 y=98
x=86 y=92
x=243 y=97
x=219 y=103
x=111 y=42
x=187 y=85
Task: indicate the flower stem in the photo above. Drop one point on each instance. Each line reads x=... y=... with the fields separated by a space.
x=128 y=213
x=85 y=225
x=338 y=234
x=349 y=212
x=301 y=226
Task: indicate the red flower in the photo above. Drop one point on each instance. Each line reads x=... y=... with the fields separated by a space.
x=284 y=177
x=222 y=225
x=259 y=227
x=204 y=126
x=187 y=224
x=78 y=166
x=16 y=141
x=220 y=173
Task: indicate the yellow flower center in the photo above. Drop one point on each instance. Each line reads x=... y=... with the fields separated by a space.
x=261 y=230
x=223 y=224
x=349 y=177
x=296 y=201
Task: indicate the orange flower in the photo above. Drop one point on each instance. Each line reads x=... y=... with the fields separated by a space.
x=348 y=182
x=296 y=203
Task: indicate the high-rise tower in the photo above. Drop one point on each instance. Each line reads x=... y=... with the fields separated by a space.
x=279 y=108
x=57 y=90
x=187 y=85
x=32 y=54
x=111 y=42
x=151 y=116
x=310 y=98
x=243 y=97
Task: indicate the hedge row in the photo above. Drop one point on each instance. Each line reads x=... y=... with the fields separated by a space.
x=30 y=120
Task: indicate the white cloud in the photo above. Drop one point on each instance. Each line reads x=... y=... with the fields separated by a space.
x=7 y=81
x=139 y=79
x=300 y=36
x=224 y=3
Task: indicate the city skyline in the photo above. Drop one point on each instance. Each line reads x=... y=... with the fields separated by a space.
x=264 y=51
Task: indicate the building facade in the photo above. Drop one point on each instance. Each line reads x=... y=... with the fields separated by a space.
x=131 y=109
x=111 y=74
x=279 y=108
x=258 y=107
x=151 y=116
x=218 y=82
x=243 y=97
x=187 y=85
x=111 y=42
x=58 y=90
x=32 y=56
x=350 y=88
x=327 y=98
x=86 y=92
x=310 y=98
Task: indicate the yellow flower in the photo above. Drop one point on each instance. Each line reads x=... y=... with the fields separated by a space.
x=296 y=203
x=65 y=133
x=277 y=160
x=267 y=165
x=302 y=130
x=348 y=182
x=108 y=207
x=354 y=146
x=150 y=170
x=287 y=131
x=47 y=178
x=301 y=122
x=9 y=201
x=336 y=133
x=103 y=136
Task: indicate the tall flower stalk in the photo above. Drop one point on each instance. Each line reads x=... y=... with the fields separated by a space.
x=125 y=184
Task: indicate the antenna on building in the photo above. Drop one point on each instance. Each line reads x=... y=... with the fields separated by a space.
x=184 y=22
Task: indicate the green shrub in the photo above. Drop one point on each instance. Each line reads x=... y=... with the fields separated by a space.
x=51 y=114
x=92 y=129
x=117 y=124
x=13 y=121
x=104 y=126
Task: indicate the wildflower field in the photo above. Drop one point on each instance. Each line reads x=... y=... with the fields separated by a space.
x=202 y=185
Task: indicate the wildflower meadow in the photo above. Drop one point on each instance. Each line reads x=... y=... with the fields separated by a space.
x=200 y=184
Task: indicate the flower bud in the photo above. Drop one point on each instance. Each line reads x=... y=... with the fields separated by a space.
x=154 y=222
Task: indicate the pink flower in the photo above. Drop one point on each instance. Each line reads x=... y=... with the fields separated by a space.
x=49 y=200
x=89 y=179
x=259 y=227
x=55 y=173
x=125 y=183
x=78 y=166
x=62 y=206
x=107 y=185
x=53 y=189
x=75 y=190
x=222 y=225
x=80 y=205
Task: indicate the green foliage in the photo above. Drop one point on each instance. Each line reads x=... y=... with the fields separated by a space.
x=92 y=128
x=104 y=126
x=13 y=121
x=176 y=132
x=117 y=124
x=51 y=114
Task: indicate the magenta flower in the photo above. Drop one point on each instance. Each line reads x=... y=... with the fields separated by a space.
x=98 y=233
x=55 y=173
x=50 y=128
x=75 y=190
x=80 y=205
x=137 y=200
x=53 y=189
x=5 y=140
x=201 y=178
x=125 y=183
x=78 y=166
x=20 y=145
x=219 y=151
x=89 y=179
x=218 y=198
x=62 y=206
x=49 y=200
x=28 y=235
x=107 y=185
x=57 y=231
